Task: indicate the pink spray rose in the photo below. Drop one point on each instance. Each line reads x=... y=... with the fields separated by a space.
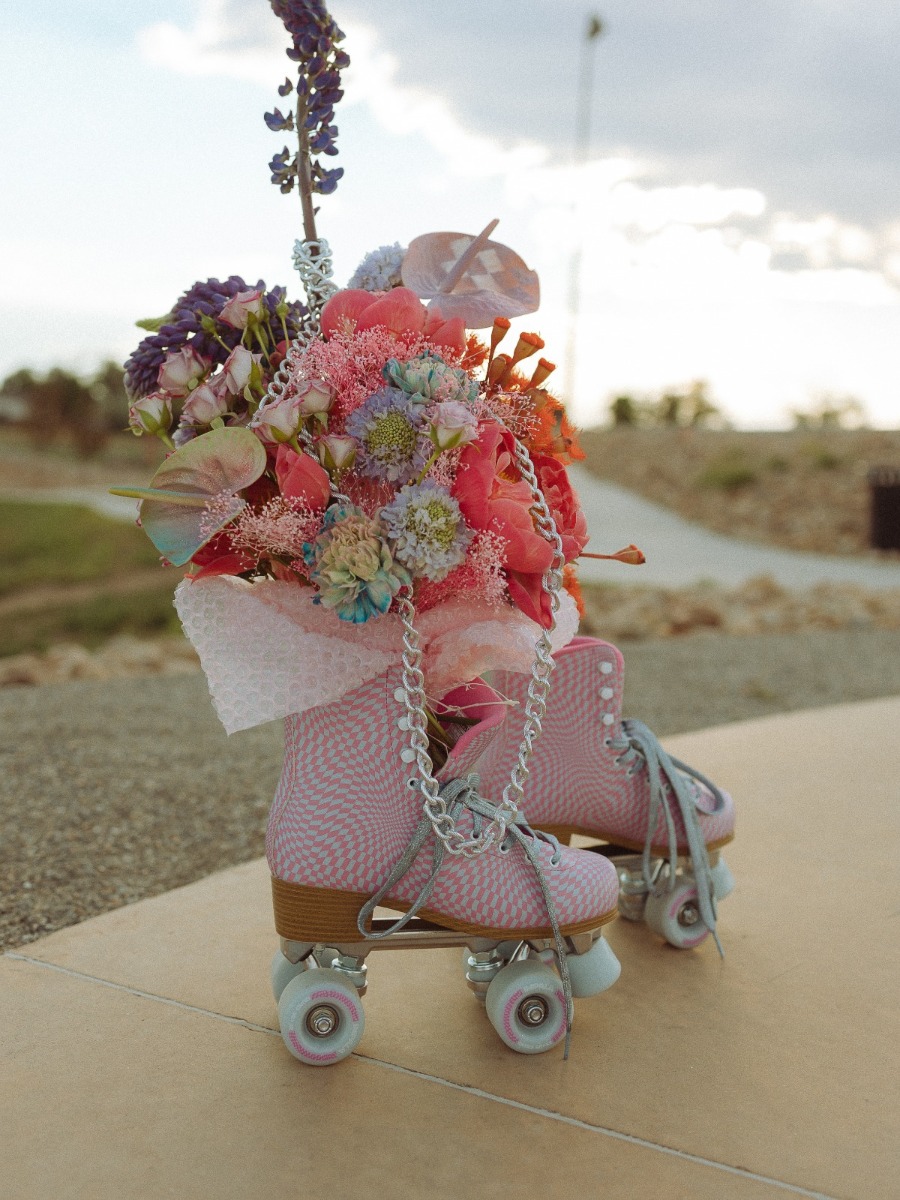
x=151 y=414
x=204 y=404
x=182 y=370
x=278 y=421
x=238 y=366
x=314 y=397
x=238 y=310
x=452 y=425
x=336 y=452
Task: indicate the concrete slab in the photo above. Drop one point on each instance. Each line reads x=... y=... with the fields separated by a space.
x=777 y=1069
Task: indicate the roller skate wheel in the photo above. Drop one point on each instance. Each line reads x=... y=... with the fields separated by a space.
x=526 y=1006
x=594 y=971
x=282 y=972
x=321 y=1017
x=676 y=916
x=722 y=879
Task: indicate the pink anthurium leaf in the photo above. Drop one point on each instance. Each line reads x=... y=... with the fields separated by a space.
x=470 y=277
x=177 y=509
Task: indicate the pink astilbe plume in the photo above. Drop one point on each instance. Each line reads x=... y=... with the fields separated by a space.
x=279 y=528
x=479 y=577
x=217 y=508
x=353 y=362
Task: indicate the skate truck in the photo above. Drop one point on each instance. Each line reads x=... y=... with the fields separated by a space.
x=372 y=502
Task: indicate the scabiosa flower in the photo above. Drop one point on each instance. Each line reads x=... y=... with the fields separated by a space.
x=428 y=377
x=379 y=271
x=427 y=530
x=388 y=427
x=352 y=565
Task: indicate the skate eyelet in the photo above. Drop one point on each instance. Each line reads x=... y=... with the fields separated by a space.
x=607 y=741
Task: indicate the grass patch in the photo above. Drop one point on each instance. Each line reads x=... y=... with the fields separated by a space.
x=727 y=475
x=64 y=543
x=92 y=622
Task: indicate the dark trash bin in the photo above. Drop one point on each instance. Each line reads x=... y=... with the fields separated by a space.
x=884 y=489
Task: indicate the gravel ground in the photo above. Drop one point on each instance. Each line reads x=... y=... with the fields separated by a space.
x=116 y=790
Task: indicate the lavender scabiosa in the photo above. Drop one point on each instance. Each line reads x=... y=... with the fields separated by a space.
x=379 y=271
x=192 y=321
x=352 y=566
x=389 y=428
x=428 y=377
x=315 y=38
x=427 y=531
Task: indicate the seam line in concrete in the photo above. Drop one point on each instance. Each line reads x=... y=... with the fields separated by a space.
x=468 y=1089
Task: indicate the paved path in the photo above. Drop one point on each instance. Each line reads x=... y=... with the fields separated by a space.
x=680 y=552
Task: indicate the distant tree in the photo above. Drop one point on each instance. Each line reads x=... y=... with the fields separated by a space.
x=672 y=407
x=107 y=387
x=624 y=410
x=831 y=412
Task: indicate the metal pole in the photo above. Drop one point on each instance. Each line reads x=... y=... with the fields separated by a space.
x=581 y=146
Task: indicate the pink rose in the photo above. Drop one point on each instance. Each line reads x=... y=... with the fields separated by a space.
x=151 y=414
x=452 y=424
x=238 y=310
x=204 y=404
x=182 y=370
x=238 y=367
x=279 y=420
x=301 y=478
x=314 y=397
x=336 y=452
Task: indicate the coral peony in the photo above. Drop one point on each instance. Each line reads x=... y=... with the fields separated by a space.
x=563 y=504
x=492 y=496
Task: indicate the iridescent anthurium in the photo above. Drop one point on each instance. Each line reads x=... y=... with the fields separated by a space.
x=194 y=494
x=352 y=565
x=428 y=377
x=427 y=531
x=388 y=429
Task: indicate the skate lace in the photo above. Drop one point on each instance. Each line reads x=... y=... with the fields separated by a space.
x=459 y=795
x=638 y=744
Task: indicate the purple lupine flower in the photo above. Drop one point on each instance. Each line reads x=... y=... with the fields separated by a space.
x=185 y=325
x=315 y=36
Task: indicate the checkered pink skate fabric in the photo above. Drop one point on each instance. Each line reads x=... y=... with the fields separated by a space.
x=344 y=814
x=574 y=778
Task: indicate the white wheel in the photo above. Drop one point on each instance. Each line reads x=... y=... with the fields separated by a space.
x=282 y=972
x=722 y=879
x=526 y=1005
x=676 y=917
x=321 y=1017
x=595 y=971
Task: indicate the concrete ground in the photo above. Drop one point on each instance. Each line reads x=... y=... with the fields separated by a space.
x=141 y=1060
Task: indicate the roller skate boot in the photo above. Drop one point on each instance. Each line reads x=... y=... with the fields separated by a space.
x=661 y=822
x=351 y=828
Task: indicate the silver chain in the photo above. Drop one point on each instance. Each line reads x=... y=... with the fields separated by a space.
x=413 y=690
x=313 y=263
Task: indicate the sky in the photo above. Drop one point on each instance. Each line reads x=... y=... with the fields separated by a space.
x=736 y=212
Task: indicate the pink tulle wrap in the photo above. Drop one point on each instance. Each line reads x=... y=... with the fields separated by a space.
x=268 y=651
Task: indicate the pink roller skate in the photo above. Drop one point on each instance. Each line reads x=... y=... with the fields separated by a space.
x=597 y=775
x=348 y=830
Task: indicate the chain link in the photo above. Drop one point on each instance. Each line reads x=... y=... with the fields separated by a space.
x=535 y=707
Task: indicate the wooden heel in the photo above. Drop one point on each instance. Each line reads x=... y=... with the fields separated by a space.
x=309 y=914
